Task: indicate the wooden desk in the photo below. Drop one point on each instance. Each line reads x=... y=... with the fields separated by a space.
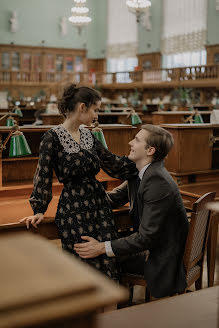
x=15 y=170
x=166 y=117
x=28 y=115
x=191 y=192
x=52 y=119
x=118 y=118
x=193 y=310
x=19 y=195
x=48 y=229
x=43 y=287
x=193 y=158
x=3 y=121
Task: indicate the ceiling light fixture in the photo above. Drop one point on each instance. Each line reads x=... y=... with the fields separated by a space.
x=79 y=17
x=138 y=7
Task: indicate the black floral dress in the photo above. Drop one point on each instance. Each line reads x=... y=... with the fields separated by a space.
x=83 y=207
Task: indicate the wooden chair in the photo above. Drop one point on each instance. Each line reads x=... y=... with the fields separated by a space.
x=197 y=240
x=194 y=250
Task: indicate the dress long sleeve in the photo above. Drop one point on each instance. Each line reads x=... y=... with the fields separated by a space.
x=42 y=190
x=119 y=167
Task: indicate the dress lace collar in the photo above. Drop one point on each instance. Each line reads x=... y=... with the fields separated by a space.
x=69 y=144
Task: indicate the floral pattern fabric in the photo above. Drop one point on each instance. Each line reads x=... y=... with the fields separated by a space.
x=83 y=207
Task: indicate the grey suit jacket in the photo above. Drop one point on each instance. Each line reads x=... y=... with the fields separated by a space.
x=163 y=229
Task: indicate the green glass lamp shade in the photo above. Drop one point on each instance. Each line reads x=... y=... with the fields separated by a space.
x=18 y=145
x=107 y=108
x=161 y=106
x=198 y=119
x=100 y=136
x=18 y=112
x=134 y=102
x=10 y=121
x=135 y=119
x=144 y=108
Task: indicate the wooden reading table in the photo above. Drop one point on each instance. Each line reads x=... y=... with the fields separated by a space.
x=169 y=117
x=17 y=170
x=198 y=309
x=43 y=287
x=195 y=154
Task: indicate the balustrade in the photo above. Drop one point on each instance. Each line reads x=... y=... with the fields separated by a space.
x=192 y=73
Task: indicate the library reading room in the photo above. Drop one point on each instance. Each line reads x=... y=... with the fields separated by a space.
x=103 y=105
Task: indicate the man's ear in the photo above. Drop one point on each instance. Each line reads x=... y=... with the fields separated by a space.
x=151 y=151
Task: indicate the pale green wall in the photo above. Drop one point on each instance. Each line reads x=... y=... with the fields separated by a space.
x=212 y=24
x=150 y=41
x=39 y=20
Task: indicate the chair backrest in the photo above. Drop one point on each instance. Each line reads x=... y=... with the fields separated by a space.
x=198 y=231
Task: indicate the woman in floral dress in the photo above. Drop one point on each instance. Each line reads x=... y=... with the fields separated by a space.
x=76 y=156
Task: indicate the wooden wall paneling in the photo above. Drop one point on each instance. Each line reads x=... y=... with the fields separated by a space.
x=98 y=65
x=154 y=58
x=211 y=51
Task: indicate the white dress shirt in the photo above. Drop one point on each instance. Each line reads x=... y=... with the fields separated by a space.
x=108 y=247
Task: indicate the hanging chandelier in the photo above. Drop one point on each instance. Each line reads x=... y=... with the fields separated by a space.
x=79 y=17
x=138 y=7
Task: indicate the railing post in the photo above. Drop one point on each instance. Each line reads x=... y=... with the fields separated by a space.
x=177 y=74
x=114 y=78
x=13 y=77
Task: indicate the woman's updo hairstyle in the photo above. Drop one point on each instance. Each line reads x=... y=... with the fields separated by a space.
x=73 y=95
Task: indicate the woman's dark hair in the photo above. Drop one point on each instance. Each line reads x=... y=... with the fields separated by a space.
x=73 y=95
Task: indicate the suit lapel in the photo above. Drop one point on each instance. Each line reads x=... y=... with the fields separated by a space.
x=154 y=166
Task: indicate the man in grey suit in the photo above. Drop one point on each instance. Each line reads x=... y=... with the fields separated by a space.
x=159 y=218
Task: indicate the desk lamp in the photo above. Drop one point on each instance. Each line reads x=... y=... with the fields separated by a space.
x=198 y=118
x=9 y=121
x=107 y=108
x=98 y=133
x=18 y=144
x=144 y=107
x=135 y=118
x=17 y=111
x=189 y=119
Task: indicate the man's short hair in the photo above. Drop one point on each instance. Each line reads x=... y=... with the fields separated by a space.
x=160 y=139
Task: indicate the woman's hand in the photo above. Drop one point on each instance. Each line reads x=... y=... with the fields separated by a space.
x=33 y=219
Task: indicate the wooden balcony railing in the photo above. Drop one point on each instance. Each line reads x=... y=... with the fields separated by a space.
x=180 y=76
